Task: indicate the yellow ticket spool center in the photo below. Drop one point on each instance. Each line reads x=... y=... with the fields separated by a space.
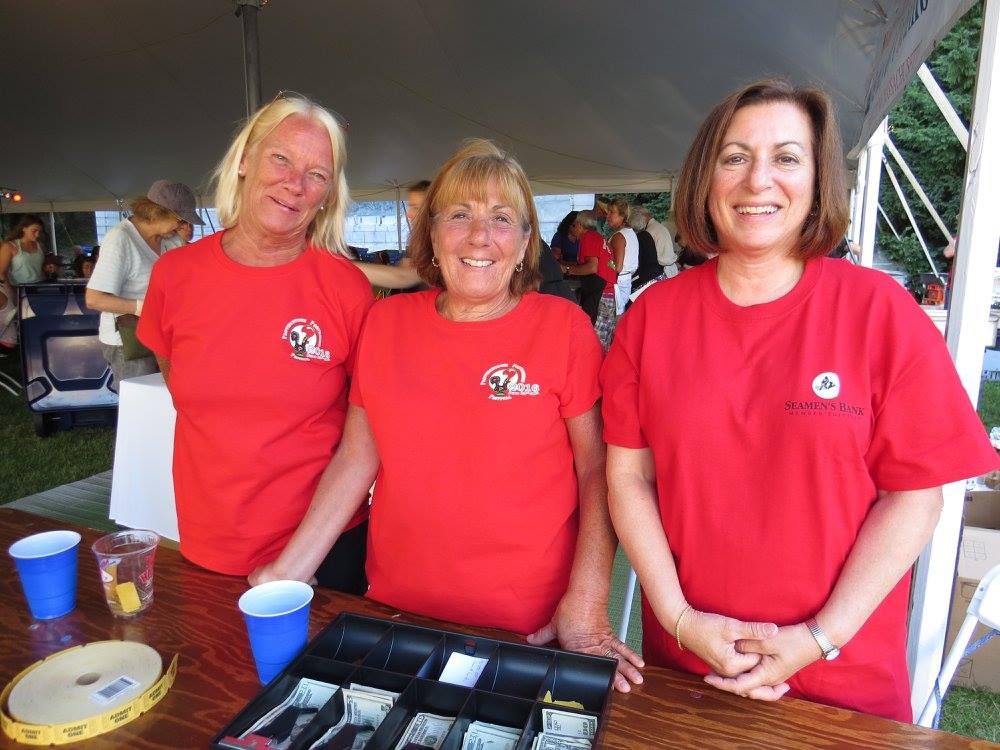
x=83 y=691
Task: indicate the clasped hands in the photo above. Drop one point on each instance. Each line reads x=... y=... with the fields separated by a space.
x=751 y=659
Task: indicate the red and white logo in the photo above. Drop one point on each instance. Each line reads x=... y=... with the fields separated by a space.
x=508 y=380
x=306 y=339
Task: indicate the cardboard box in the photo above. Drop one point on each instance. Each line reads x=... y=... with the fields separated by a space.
x=978 y=554
x=982 y=509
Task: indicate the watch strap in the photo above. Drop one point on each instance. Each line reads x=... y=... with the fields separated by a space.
x=826 y=646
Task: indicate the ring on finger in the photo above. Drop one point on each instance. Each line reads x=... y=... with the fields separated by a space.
x=610 y=652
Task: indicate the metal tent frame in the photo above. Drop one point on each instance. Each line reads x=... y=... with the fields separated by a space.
x=978 y=238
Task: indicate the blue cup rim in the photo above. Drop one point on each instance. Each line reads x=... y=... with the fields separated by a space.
x=304 y=588
x=72 y=539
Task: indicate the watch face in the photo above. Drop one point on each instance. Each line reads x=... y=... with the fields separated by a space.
x=832 y=654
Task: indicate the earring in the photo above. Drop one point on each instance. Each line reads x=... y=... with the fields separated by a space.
x=434 y=261
x=520 y=266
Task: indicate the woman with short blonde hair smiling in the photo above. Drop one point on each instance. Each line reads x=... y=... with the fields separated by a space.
x=326 y=230
x=256 y=329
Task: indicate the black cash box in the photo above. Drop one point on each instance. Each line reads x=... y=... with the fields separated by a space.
x=408 y=659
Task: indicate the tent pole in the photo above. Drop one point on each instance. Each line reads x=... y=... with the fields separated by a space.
x=975 y=260
x=858 y=199
x=852 y=202
x=869 y=194
x=913 y=221
x=944 y=104
x=912 y=179
x=52 y=232
x=247 y=10
x=399 y=220
x=888 y=221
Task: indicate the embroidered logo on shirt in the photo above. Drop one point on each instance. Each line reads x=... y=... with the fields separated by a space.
x=508 y=380
x=826 y=385
x=306 y=339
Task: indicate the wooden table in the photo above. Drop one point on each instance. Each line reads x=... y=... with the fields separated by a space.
x=195 y=615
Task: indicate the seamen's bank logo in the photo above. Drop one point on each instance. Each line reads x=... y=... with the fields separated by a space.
x=306 y=340
x=508 y=380
x=826 y=385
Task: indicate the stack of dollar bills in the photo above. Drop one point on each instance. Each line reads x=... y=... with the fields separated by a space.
x=278 y=728
x=482 y=735
x=364 y=709
x=427 y=730
x=562 y=730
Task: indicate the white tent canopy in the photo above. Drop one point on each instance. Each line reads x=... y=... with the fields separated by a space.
x=104 y=97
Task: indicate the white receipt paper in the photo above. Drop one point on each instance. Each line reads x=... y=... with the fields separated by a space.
x=462 y=670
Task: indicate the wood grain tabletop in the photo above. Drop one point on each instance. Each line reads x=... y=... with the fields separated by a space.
x=195 y=616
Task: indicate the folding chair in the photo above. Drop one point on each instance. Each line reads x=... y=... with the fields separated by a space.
x=984 y=608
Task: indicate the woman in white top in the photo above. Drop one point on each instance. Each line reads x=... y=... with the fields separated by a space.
x=624 y=250
x=21 y=258
x=128 y=251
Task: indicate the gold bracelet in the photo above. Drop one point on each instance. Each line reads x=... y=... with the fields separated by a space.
x=677 y=627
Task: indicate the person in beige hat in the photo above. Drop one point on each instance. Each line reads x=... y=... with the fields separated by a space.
x=128 y=251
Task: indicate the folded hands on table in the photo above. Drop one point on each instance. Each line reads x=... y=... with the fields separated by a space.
x=751 y=659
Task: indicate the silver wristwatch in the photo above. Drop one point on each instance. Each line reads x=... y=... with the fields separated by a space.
x=830 y=652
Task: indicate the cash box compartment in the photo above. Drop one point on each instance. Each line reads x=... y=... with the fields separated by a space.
x=408 y=660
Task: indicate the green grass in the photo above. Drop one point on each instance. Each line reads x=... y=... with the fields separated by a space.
x=976 y=713
x=989 y=403
x=972 y=713
x=30 y=464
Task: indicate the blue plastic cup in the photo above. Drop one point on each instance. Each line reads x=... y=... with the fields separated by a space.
x=46 y=563
x=277 y=617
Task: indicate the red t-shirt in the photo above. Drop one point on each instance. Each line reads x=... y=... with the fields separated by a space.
x=772 y=428
x=593 y=245
x=474 y=518
x=259 y=363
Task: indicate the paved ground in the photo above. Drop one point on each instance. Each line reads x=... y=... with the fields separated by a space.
x=85 y=502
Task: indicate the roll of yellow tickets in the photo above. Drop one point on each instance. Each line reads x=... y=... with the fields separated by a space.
x=83 y=691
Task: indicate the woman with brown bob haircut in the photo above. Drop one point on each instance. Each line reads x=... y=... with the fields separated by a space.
x=774 y=464
x=497 y=514
x=827 y=219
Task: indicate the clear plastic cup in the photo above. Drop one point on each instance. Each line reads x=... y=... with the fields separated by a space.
x=125 y=563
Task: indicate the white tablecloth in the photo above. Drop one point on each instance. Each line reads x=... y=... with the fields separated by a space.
x=142 y=486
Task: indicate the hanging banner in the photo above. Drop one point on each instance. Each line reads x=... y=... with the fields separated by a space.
x=912 y=32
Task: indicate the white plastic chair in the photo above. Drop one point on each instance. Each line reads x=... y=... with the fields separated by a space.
x=984 y=608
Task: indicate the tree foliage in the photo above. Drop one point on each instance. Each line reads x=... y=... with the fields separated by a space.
x=931 y=150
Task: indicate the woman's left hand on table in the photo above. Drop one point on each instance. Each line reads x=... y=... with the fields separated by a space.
x=584 y=627
x=782 y=655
